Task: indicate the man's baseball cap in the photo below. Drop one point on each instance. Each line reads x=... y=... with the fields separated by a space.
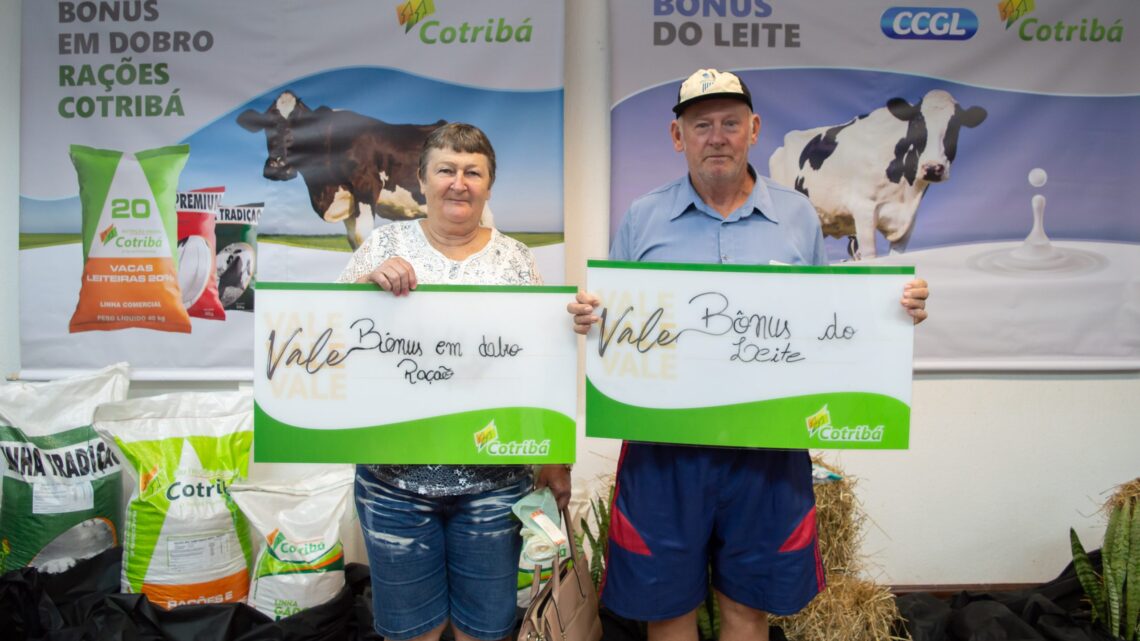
x=706 y=84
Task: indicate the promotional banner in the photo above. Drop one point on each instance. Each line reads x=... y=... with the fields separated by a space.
x=991 y=145
x=446 y=374
x=175 y=153
x=750 y=356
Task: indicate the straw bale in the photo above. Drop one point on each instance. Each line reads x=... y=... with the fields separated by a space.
x=840 y=520
x=1127 y=493
x=850 y=609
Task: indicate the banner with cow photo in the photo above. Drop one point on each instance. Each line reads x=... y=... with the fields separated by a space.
x=991 y=145
x=174 y=153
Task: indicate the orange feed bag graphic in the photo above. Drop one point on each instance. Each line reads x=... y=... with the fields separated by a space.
x=130 y=272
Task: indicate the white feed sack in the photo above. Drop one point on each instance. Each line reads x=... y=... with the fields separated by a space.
x=302 y=562
x=185 y=541
x=61 y=490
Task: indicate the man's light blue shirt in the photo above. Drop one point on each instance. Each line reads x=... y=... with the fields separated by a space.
x=672 y=224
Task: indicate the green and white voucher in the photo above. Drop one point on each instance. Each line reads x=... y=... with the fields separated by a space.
x=446 y=374
x=750 y=356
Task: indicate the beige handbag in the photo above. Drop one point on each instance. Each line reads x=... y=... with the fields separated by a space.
x=566 y=609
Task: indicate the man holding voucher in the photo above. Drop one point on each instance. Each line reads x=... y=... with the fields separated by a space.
x=747 y=513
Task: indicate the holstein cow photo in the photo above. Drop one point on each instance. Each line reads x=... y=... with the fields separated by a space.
x=354 y=166
x=870 y=173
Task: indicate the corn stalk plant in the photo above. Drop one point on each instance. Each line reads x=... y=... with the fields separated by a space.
x=1114 y=593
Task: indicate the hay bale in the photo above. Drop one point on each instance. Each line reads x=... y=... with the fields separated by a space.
x=850 y=609
x=840 y=519
x=1126 y=494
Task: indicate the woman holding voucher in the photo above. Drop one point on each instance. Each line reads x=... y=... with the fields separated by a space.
x=442 y=541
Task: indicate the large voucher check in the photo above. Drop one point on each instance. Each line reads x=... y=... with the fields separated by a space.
x=446 y=374
x=750 y=356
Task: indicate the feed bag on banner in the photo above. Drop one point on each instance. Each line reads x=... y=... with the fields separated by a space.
x=237 y=255
x=185 y=540
x=197 y=274
x=302 y=563
x=130 y=270
x=62 y=492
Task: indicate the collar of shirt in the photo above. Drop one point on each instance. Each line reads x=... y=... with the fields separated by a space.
x=759 y=202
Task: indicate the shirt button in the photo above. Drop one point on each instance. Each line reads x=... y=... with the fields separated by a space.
x=724 y=258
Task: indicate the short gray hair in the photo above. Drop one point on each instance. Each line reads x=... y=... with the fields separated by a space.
x=461 y=137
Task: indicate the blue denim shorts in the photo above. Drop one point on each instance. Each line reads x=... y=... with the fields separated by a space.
x=438 y=558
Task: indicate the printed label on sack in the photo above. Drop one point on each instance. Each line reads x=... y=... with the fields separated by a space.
x=196 y=551
x=62 y=498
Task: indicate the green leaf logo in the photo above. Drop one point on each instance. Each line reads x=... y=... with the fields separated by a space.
x=1011 y=10
x=412 y=11
x=486 y=436
x=822 y=418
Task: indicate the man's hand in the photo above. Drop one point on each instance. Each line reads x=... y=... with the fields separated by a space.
x=557 y=478
x=914 y=298
x=394 y=275
x=582 y=309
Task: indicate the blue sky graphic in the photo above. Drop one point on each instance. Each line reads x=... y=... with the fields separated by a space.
x=524 y=127
x=1086 y=144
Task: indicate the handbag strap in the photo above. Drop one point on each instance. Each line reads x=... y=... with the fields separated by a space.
x=556 y=569
x=574 y=554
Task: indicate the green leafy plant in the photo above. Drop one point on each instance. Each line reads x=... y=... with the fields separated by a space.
x=600 y=509
x=708 y=615
x=1114 y=593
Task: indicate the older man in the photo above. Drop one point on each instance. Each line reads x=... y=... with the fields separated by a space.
x=679 y=511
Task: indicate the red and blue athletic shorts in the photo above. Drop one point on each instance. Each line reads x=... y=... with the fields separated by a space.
x=747 y=513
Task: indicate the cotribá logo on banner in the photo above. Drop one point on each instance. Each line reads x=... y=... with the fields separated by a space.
x=1044 y=29
x=494 y=30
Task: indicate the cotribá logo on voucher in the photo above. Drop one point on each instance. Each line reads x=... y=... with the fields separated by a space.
x=819 y=427
x=487 y=441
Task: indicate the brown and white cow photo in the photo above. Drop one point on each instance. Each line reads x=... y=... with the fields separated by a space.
x=355 y=167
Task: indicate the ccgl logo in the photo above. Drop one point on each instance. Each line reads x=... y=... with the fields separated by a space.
x=928 y=23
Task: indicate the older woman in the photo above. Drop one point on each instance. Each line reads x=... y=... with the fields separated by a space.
x=442 y=542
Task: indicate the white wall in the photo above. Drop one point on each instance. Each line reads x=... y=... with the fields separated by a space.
x=999 y=468
x=9 y=183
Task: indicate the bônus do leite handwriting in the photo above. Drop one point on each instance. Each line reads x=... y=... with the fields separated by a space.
x=753 y=337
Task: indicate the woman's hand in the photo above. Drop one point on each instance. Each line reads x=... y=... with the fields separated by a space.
x=914 y=298
x=557 y=478
x=582 y=309
x=394 y=275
